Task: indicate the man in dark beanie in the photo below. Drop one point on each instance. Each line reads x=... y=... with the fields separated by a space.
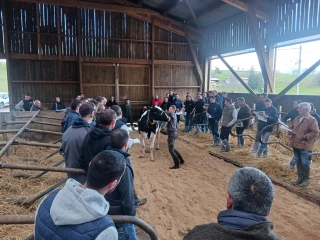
x=73 y=138
x=98 y=138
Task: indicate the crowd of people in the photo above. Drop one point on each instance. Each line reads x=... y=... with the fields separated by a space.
x=96 y=139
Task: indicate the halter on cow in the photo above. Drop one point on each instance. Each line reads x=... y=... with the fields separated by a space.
x=149 y=127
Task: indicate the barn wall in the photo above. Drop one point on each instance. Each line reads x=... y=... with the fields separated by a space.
x=62 y=51
x=286 y=101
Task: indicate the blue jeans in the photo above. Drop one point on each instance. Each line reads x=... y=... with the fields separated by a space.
x=264 y=147
x=126 y=231
x=302 y=157
x=188 y=122
x=214 y=127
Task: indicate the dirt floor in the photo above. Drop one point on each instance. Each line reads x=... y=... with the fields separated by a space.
x=178 y=199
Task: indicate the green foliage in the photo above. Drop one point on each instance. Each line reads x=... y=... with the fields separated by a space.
x=255 y=81
x=3 y=77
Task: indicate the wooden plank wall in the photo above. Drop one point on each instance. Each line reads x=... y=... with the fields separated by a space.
x=62 y=51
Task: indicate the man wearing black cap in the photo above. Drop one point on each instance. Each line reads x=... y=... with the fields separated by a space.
x=98 y=138
x=73 y=138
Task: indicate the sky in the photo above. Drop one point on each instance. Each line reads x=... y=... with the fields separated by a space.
x=287 y=58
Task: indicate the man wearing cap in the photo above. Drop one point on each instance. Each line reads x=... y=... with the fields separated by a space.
x=73 y=138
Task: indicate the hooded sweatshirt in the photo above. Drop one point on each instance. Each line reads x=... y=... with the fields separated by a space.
x=122 y=200
x=74 y=205
x=235 y=225
x=72 y=141
x=95 y=142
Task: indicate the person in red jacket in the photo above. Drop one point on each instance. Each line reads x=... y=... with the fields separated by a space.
x=156 y=101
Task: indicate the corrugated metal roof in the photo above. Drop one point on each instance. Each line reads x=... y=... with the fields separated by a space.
x=223 y=12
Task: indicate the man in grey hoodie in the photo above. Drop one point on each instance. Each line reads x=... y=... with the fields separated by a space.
x=80 y=211
x=73 y=138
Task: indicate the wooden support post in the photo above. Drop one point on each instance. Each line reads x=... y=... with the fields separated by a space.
x=38 y=31
x=79 y=48
x=152 y=60
x=271 y=54
x=195 y=59
x=6 y=49
x=297 y=80
x=238 y=77
x=116 y=81
x=259 y=45
x=206 y=76
x=12 y=140
x=209 y=73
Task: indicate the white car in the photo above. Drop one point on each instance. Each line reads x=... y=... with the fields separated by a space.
x=4 y=99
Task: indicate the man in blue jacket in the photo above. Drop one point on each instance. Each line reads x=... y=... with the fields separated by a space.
x=271 y=116
x=71 y=116
x=80 y=211
x=122 y=201
x=178 y=103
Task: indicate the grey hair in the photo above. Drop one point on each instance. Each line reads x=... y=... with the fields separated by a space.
x=305 y=105
x=251 y=191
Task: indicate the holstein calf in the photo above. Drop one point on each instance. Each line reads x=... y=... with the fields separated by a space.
x=149 y=128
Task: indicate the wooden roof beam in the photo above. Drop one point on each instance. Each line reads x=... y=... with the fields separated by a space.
x=244 y=7
x=170 y=4
x=193 y=14
x=259 y=46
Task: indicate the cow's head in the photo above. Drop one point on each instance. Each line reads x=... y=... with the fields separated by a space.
x=158 y=114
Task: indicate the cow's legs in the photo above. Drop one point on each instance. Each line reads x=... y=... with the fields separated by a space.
x=143 y=152
x=158 y=138
x=152 y=139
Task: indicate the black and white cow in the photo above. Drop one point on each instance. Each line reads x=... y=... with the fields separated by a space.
x=149 y=128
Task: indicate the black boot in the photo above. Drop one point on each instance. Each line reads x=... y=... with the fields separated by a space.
x=179 y=156
x=300 y=175
x=176 y=163
x=306 y=175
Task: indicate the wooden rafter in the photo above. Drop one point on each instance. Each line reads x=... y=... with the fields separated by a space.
x=195 y=59
x=206 y=11
x=170 y=4
x=193 y=14
x=237 y=76
x=245 y=7
x=259 y=46
x=297 y=80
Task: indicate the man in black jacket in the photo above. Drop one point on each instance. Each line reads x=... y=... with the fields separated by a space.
x=98 y=139
x=260 y=104
x=127 y=113
x=58 y=105
x=198 y=110
x=249 y=201
x=244 y=111
x=122 y=201
x=293 y=113
x=214 y=115
x=188 y=107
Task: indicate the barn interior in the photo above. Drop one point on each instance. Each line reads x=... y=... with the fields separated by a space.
x=136 y=49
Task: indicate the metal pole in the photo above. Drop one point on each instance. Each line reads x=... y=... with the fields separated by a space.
x=278 y=126
x=12 y=140
x=29 y=219
x=30 y=130
x=299 y=69
x=41 y=168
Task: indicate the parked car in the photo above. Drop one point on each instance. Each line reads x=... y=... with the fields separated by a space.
x=4 y=99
